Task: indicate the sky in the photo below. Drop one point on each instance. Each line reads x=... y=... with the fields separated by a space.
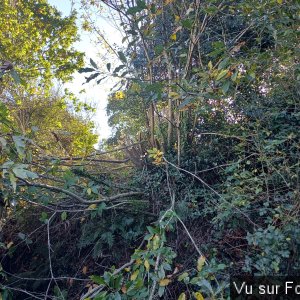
x=95 y=94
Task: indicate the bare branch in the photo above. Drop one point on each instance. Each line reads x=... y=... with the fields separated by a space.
x=77 y=197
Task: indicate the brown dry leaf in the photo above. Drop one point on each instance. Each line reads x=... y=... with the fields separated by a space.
x=124 y=289
x=84 y=270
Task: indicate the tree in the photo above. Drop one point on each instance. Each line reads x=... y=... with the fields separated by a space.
x=38 y=41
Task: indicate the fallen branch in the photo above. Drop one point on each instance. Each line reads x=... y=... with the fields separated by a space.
x=110 y=161
x=79 y=198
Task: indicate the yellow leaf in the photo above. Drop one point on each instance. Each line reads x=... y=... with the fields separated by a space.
x=9 y=245
x=147 y=265
x=174 y=95
x=89 y=191
x=138 y=261
x=200 y=263
x=127 y=269
x=182 y=296
x=198 y=296
x=173 y=37
x=156 y=240
x=177 y=18
x=164 y=282
x=279 y=1
x=134 y=275
x=84 y=270
x=92 y=206
x=120 y=95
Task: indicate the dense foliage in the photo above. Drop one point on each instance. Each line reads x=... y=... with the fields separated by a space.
x=206 y=120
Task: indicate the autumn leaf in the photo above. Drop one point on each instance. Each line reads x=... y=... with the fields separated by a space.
x=164 y=282
x=156 y=241
x=92 y=206
x=173 y=37
x=147 y=265
x=120 y=95
x=124 y=289
x=84 y=270
x=134 y=275
x=200 y=263
x=198 y=296
x=182 y=296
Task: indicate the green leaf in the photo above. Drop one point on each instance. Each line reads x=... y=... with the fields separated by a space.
x=93 y=64
x=188 y=23
x=141 y=4
x=99 y=80
x=22 y=236
x=31 y=175
x=152 y=8
x=108 y=66
x=234 y=76
x=15 y=76
x=225 y=86
x=222 y=74
x=86 y=70
x=20 y=171
x=138 y=8
x=161 y=291
x=88 y=79
x=119 y=68
x=223 y=63
x=117 y=296
x=63 y=216
x=13 y=181
x=182 y=276
x=251 y=74
x=44 y=217
x=97 y=279
x=3 y=142
x=122 y=57
x=101 y=296
x=158 y=49
x=20 y=145
x=186 y=102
